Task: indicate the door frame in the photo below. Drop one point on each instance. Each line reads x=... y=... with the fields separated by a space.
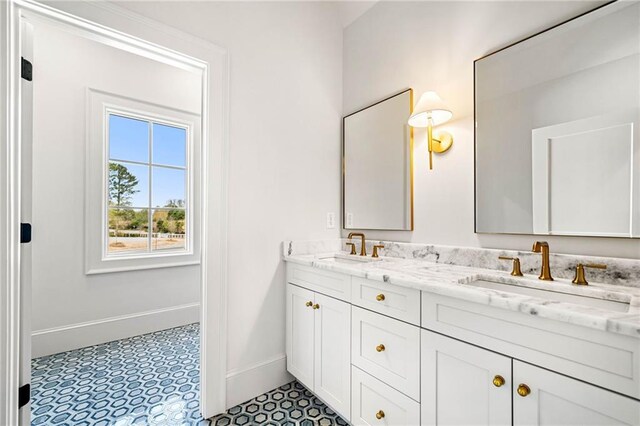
x=138 y=34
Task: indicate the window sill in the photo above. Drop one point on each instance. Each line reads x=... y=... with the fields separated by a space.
x=120 y=267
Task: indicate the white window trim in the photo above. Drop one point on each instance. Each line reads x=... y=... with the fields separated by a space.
x=97 y=260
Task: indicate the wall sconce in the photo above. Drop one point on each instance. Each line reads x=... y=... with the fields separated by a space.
x=431 y=111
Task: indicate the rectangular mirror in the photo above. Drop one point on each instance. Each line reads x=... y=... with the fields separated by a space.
x=557 y=115
x=377 y=179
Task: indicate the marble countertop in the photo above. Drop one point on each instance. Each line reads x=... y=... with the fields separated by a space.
x=454 y=281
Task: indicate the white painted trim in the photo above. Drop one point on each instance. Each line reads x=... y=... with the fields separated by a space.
x=138 y=34
x=60 y=339
x=246 y=383
x=99 y=105
x=9 y=216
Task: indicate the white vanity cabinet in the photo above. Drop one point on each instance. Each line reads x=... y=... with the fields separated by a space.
x=466 y=385
x=318 y=345
x=383 y=354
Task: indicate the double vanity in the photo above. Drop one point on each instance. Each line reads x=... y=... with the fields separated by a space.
x=407 y=341
x=413 y=334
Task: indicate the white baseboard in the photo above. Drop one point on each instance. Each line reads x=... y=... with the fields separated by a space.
x=247 y=383
x=75 y=336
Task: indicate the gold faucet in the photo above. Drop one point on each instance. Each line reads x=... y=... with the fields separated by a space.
x=543 y=247
x=363 y=247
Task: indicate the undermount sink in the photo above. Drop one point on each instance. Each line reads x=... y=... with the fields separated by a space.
x=347 y=258
x=558 y=294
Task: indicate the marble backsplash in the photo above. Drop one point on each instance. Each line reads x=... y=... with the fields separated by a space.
x=619 y=271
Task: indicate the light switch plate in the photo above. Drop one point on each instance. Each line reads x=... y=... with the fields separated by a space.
x=331 y=220
x=349 y=220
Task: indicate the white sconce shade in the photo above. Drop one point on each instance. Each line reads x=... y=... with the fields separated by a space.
x=431 y=106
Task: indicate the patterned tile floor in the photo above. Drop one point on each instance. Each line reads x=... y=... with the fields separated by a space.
x=152 y=380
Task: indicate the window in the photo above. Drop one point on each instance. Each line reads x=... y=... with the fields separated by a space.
x=143 y=184
x=147 y=192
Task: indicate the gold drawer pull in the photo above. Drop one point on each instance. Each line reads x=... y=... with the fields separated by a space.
x=316 y=306
x=380 y=415
x=498 y=381
x=380 y=297
x=523 y=390
x=380 y=348
x=309 y=304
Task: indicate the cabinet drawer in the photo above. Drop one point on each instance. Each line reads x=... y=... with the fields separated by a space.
x=387 y=349
x=371 y=397
x=398 y=302
x=326 y=282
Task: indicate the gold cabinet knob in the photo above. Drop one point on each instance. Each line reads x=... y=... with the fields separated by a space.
x=309 y=304
x=380 y=415
x=316 y=306
x=380 y=348
x=523 y=390
x=498 y=381
x=380 y=297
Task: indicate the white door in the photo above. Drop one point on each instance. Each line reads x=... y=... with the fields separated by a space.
x=332 y=353
x=463 y=384
x=548 y=398
x=300 y=329
x=26 y=94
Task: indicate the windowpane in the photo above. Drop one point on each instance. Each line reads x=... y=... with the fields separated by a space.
x=169 y=145
x=128 y=139
x=128 y=185
x=168 y=187
x=169 y=226
x=128 y=230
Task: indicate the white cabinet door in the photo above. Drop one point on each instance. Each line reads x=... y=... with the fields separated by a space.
x=332 y=353
x=458 y=383
x=555 y=399
x=300 y=329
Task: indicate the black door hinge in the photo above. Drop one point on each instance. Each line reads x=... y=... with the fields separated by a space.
x=27 y=70
x=24 y=395
x=25 y=233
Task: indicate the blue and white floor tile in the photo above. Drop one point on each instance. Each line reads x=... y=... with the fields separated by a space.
x=152 y=380
x=290 y=405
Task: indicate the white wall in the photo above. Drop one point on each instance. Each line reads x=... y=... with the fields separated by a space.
x=432 y=46
x=71 y=309
x=284 y=159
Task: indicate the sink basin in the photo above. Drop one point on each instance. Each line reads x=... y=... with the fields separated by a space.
x=556 y=294
x=346 y=258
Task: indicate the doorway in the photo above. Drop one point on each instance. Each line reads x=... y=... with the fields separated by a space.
x=57 y=327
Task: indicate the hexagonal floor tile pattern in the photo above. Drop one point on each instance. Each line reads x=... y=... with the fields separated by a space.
x=153 y=380
x=290 y=405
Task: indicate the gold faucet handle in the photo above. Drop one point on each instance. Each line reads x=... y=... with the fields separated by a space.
x=596 y=265
x=580 y=278
x=353 y=248
x=516 y=271
x=375 y=249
